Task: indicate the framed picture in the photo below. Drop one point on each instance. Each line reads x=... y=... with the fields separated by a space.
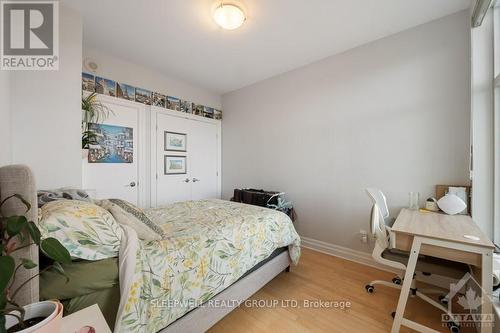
x=175 y=165
x=175 y=141
x=114 y=144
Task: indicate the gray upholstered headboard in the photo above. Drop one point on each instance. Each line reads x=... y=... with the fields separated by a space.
x=18 y=179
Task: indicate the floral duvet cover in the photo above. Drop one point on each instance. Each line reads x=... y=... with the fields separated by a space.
x=209 y=244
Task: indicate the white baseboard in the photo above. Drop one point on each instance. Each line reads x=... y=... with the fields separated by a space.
x=344 y=253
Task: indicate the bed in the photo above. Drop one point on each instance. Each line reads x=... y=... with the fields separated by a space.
x=213 y=253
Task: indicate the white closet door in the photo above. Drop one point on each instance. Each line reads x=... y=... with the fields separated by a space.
x=172 y=187
x=204 y=160
x=113 y=176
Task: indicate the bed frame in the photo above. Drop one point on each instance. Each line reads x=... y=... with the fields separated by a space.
x=18 y=179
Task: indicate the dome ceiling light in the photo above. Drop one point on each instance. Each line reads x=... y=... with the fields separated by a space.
x=229 y=16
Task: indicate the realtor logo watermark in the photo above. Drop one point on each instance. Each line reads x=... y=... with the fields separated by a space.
x=29 y=35
x=470 y=299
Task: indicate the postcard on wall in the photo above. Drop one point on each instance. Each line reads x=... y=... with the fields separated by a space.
x=143 y=96
x=175 y=141
x=186 y=106
x=217 y=114
x=88 y=320
x=175 y=165
x=159 y=100
x=198 y=110
x=105 y=86
x=125 y=91
x=112 y=144
x=173 y=103
x=208 y=112
x=88 y=82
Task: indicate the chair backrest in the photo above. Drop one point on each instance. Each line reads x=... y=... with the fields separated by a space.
x=378 y=198
x=378 y=228
x=379 y=217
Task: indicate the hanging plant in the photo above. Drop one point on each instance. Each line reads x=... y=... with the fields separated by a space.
x=94 y=112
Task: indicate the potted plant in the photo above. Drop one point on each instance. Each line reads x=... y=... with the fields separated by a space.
x=93 y=112
x=16 y=233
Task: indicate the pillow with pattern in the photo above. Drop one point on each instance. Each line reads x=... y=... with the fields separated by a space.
x=126 y=213
x=68 y=193
x=86 y=230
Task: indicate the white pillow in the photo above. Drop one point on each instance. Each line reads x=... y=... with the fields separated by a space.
x=451 y=204
x=126 y=213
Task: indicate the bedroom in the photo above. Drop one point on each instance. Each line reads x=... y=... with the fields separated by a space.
x=138 y=122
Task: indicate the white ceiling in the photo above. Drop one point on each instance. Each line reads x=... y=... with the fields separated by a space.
x=180 y=39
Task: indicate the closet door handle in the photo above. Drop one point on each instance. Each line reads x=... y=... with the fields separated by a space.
x=186 y=180
x=132 y=184
x=195 y=180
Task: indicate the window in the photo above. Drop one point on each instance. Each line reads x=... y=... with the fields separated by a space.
x=496 y=145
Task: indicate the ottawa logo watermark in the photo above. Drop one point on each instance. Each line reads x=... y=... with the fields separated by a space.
x=466 y=300
x=29 y=38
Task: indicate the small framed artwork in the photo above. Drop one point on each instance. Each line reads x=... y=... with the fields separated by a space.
x=175 y=165
x=175 y=141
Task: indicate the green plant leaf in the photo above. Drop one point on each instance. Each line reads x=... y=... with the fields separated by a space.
x=15 y=224
x=34 y=232
x=86 y=242
x=7 y=265
x=27 y=263
x=60 y=270
x=54 y=250
x=3 y=304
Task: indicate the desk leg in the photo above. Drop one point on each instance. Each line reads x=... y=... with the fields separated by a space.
x=405 y=289
x=487 y=285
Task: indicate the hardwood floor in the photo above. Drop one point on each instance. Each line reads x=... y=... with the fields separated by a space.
x=322 y=277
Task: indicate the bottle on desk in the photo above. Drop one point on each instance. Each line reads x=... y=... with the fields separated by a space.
x=414 y=200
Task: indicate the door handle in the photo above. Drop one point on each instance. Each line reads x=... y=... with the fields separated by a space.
x=132 y=184
x=195 y=180
x=186 y=180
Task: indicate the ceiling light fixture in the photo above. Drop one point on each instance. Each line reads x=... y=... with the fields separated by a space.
x=228 y=16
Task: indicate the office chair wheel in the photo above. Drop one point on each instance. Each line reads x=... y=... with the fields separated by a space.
x=370 y=289
x=443 y=300
x=396 y=280
x=454 y=328
x=393 y=315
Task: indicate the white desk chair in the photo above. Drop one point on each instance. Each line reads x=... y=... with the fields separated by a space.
x=385 y=255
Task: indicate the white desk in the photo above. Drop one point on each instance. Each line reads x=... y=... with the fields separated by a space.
x=441 y=236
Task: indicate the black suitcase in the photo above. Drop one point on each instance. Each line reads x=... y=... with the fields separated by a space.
x=255 y=197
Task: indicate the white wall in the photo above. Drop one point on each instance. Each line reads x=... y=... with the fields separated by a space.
x=5 y=131
x=46 y=112
x=393 y=114
x=482 y=123
x=120 y=70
